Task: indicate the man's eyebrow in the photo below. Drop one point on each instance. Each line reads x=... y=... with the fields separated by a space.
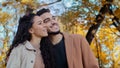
x=53 y=16
x=46 y=19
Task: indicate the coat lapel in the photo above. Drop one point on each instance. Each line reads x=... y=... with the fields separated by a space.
x=68 y=47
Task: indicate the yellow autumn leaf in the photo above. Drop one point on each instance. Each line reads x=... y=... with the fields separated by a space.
x=79 y=30
x=4 y=17
x=103 y=57
x=114 y=30
x=117 y=13
x=26 y=1
x=96 y=8
x=116 y=64
x=117 y=47
x=7 y=3
x=109 y=43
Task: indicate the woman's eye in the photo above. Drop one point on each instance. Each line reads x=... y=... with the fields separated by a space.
x=39 y=23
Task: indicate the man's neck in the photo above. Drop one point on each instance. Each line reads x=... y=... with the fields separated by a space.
x=56 y=38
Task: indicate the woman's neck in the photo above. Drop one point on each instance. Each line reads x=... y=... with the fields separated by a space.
x=35 y=42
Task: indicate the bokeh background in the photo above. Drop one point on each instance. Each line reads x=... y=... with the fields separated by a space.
x=97 y=20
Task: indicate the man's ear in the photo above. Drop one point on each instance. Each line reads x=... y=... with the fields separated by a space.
x=31 y=30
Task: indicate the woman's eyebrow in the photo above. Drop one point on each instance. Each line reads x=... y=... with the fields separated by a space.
x=39 y=21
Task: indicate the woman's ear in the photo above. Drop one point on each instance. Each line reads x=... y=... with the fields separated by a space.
x=31 y=30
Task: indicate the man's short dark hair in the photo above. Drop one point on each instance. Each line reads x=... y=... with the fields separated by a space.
x=41 y=11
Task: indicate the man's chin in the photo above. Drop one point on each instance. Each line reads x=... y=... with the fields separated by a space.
x=53 y=33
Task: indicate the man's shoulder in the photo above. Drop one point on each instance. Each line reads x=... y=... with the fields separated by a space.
x=76 y=35
x=73 y=35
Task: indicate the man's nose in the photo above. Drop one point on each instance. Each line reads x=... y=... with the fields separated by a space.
x=52 y=22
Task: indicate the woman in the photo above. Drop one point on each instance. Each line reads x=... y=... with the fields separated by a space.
x=25 y=49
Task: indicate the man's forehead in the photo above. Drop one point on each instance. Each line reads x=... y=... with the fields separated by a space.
x=46 y=15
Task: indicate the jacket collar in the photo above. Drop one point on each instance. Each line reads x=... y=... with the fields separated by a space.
x=28 y=46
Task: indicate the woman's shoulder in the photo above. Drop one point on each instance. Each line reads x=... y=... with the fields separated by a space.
x=19 y=48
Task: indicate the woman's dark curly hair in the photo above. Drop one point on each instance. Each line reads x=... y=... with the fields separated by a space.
x=46 y=46
x=22 y=34
x=47 y=53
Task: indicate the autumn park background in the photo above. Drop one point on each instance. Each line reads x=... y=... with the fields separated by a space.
x=97 y=20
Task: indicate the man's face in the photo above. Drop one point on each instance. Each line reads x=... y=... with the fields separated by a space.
x=50 y=23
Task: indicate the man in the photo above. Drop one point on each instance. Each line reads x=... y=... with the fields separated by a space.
x=69 y=50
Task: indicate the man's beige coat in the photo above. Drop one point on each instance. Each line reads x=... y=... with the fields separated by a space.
x=79 y=54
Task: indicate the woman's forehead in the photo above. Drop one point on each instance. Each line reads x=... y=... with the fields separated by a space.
x=37 y=18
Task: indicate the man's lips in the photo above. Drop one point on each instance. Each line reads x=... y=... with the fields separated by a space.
x=54 y=25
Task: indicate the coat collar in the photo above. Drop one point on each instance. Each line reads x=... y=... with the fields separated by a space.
x=28 y=45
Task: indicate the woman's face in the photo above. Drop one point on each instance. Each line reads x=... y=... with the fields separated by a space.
x=38 y=28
